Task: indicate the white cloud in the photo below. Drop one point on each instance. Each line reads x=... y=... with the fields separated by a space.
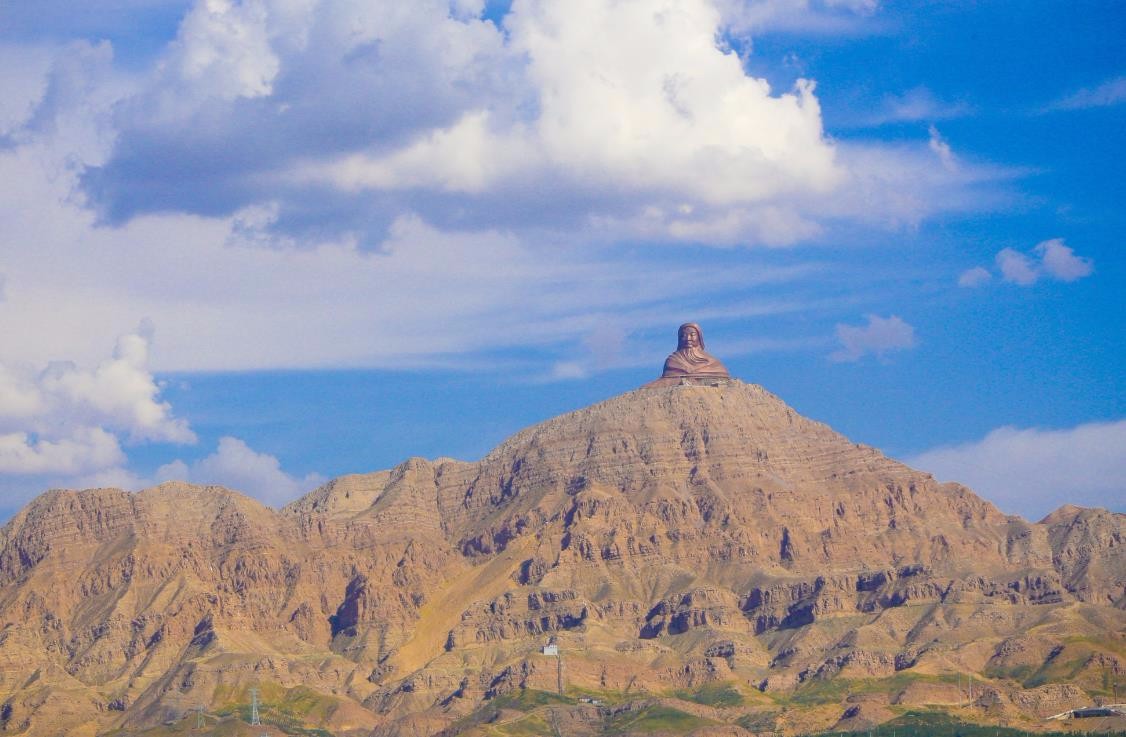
x=467 y=157
x=1111 y=92
x=64 y=420
x=828 y=17
x=119 y=393
x=1060 y=261
x=878 y=337
x=660 y=134
x=662 y=111
x=20 y=398
x=556 y=147
x=1056 y=260
x=83 y=450
x=227 y=293
x=237 y=466
x=941 y=148
x=916 y=104
x=23 y=82
x=223 y=49
x=567 y=370
x=112 y=477
x=175 y=470
x=1016 y=267
x=1033 y=470
x=974 y=277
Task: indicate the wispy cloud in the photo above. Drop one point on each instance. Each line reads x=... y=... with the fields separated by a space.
x=941 y=149
x=878 y=337
x=1051 y=258
x=918 y=104
x=237 y=466
x=1032 y=471
x=66 y=424
x=974 y=277
x=1060 y=262
x=1110 y=92
x=394 y=185
x=1016 y=267
x=811 y=17
x=435 y=111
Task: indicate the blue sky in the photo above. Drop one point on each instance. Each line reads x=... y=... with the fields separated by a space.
x=265 y=243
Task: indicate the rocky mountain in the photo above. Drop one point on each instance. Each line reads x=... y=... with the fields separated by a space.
x=698 y=550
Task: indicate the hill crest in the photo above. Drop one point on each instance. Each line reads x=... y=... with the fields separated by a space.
x=668 y=538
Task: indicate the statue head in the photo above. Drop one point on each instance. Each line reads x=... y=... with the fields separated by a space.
x=689 y=336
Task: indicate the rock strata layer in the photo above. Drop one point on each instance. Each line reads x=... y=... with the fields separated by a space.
x=668 y=539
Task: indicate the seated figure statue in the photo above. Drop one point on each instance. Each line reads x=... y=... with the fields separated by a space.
x=691 y=361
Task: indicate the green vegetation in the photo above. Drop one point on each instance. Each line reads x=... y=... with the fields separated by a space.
x=1066 y=665
x=712 y=694
x=832 y=691
x=654 y=719
x=522 y=700
x=532 y=725
x=763 y=721
x=1019 y=673
x=287 y=710
x=526 y=699
x=227 y=726
x=611 y=698
x=940 y=724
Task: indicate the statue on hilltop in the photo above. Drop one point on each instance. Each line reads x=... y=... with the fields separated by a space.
x=691 y=361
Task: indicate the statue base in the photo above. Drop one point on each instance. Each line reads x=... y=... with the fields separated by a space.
x=689 y=381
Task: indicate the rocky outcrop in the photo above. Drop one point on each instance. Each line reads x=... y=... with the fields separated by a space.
x=670 y=538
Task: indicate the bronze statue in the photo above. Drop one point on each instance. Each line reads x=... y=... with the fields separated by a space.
x=691 y=361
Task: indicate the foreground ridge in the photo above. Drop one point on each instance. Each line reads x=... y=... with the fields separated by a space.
x=695 y=549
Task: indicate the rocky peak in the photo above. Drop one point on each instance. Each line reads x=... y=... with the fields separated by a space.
x=680 y=535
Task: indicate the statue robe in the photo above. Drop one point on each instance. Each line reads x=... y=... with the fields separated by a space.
x=694 y=362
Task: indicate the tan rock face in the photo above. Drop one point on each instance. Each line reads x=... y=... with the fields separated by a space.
x=668 y=538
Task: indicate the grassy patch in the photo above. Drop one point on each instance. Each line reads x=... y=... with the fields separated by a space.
x=1019 y=673
x=712 y=694
x=835 y=690
x=763 y=721
x=1057 y=670
x=654 y=719
x=940 y=724
x=521 y=700
x=289 y=710
x=605 y=697
x=532 y=725
x=229 y=726
x=526 y=699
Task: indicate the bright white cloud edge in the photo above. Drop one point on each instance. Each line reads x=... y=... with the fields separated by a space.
x=1031 y=471
x=237 y=466
x=878 y=337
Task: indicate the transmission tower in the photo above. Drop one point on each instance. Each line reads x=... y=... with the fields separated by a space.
x=255 y=719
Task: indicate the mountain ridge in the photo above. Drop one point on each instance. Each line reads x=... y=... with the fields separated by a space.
x=668 y=538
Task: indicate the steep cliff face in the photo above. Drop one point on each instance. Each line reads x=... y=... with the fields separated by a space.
x=667 y=539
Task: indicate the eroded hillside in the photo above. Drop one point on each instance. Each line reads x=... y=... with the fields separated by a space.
x=673 y=541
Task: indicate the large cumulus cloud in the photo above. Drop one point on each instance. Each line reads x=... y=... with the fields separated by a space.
x=611 y=118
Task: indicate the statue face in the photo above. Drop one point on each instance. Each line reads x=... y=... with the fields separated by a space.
x=690 y=337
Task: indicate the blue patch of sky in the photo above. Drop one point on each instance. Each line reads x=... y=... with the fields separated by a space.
x=138 y=29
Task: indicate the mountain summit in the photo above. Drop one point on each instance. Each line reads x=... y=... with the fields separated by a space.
x=673 y=543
